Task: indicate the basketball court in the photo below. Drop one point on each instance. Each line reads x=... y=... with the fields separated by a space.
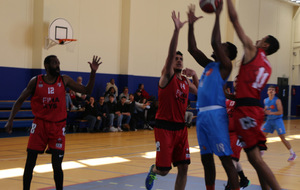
x=121 y=161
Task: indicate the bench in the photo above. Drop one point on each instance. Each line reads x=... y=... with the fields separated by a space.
x=23 y=118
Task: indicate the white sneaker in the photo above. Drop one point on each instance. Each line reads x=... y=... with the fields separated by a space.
x=112 y=129
x=292 y=157
x=119 y=129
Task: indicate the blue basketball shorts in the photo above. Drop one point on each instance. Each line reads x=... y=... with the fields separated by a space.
x=212 y=132
x=274 y=124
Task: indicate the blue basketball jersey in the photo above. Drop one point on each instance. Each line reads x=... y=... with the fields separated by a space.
x=271 y=105
x=210 y=89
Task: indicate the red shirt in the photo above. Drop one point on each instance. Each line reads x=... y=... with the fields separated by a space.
x=253 y=76
x=49 y=100
x=172 y=100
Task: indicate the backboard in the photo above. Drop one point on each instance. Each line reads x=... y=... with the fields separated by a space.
x=60 y=32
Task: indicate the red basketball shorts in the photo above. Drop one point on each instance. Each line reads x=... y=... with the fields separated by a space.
x=247 y=122
x=235 y=146
x=44 y=133
x=171 y=147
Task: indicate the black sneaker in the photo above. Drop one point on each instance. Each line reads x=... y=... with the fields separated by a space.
x=227 y=187
x=244 y=183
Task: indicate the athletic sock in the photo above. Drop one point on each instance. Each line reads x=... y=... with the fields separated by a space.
x=291 y=151
x=241 y=174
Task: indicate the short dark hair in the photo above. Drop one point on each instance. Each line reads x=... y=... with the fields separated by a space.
x=232 y=50
x=110 y=95
x=274 y=45
x=48 y=59
x=179 y=53
x=123 y=97
x=272 y=86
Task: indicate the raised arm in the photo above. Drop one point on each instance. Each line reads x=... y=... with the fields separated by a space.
x=195 y=80
x=167 y=71
x=226 y=66
x=249 y=48
x=69 y=82
x=197 y=54
x=28 y=91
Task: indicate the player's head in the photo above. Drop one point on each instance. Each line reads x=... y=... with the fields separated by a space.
x=51 y=64
x=269 y=43
x=178 y=65
x=271 y=90
x=230 y=50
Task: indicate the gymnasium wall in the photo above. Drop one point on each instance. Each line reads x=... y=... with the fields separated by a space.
x=131 y=36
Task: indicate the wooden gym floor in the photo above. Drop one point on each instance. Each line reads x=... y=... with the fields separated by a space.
x=97 y=157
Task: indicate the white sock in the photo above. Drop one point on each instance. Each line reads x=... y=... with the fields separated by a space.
x=291 y=151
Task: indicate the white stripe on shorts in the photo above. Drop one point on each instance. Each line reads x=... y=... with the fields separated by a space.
x=209 y=108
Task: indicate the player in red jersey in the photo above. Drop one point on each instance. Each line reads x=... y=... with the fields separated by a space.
x=234 y=140
x=170 y=130
x=48 y=105
x=248 y=116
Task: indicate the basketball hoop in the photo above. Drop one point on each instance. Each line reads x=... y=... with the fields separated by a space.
x=60 y=32
x=63 y=41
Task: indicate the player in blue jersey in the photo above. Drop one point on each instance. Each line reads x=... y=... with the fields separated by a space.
x=274 y=110
x=212 y=119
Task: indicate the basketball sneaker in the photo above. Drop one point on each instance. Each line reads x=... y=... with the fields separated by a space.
x=292 y=157
x=150 y=178
x=244 y=183
x=227 y=187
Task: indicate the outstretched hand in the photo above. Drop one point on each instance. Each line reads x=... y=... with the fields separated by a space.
x=188 y=72
x=177 y=22
x=191 y=14
x=95 y=64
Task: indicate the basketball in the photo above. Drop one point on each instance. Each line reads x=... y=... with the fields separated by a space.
x=209 y=6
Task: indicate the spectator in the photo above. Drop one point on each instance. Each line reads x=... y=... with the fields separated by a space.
x=151 y=113
x=73 y=97
x=111 y=84
x=145 y=94
x=111 y=91
x=103 y=112
x=125 y=93
x=137 y=112
x=123 y=114
x=188 y=117
x=69 y=102
x=138 y=95
x=111 y=109
x=80 y=97
x=91 y=114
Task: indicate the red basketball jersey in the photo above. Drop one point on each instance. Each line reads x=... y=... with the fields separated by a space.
x=49 y=100
x=253 y=76
x=173 y=100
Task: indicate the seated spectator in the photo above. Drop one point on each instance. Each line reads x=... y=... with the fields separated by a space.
x=69 y=102
x=73 y=97
x=136 y=111
x=188 y=117
x=151 y=113
x=91 y=114
x=138 y=96
x=110 y=84
x=80 y=98
x=111 y=91
x=125 y=93
x=145 y=94
x=111 y=109
x=123 y=114
x=103 y=112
